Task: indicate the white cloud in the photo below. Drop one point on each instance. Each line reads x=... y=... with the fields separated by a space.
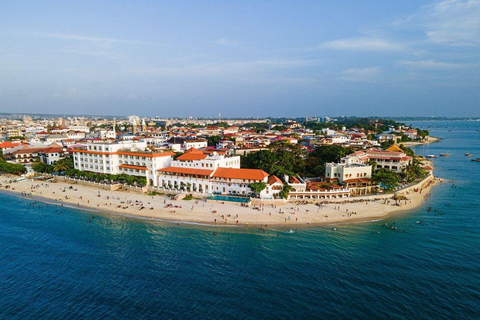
x=363 y=44
x=227 y=43
x=432 y=64
x=453 y=22
x=370 y=74
x=231 y=68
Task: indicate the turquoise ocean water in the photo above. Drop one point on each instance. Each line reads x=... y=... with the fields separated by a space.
x=60 y=263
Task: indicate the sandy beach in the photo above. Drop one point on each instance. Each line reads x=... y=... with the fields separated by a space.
x=160 y=207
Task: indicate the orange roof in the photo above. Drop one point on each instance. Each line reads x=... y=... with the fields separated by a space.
x=132 y=167
x=247 y=174
x=52 y=149
x=28 y=150
x=274 y=179
x=293 y=180
x=192 y=156
x=8 y=145
x=190 y=171
x=193 y=150
x=394 y=148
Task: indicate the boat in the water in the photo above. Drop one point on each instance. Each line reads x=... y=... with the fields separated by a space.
x=476 y=160
x=432 y=156
x=468 y=154
x=445 y=154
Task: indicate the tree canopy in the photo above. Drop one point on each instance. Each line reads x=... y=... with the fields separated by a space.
x=281 y=158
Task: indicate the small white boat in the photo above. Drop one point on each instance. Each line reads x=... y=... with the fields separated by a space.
x=431 y=156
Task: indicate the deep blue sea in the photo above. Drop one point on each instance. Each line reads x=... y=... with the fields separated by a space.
x=60 y=263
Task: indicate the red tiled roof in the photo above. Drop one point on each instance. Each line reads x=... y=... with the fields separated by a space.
x=192 y=156
x=52 y=149
x=8 y=145
x=274 y=179
x=293 y=180
x=247 y=174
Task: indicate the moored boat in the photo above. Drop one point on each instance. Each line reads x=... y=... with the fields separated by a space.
x=445 y=154
x=476 y=160
x=468 y=154
x=432 y=156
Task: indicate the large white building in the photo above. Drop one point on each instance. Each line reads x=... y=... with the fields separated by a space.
x=343 y=171
x=356 y=177
x=129 y=157
x=213 y=173
x=392 y=160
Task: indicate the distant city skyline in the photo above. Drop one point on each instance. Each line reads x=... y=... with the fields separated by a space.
x=248 y=59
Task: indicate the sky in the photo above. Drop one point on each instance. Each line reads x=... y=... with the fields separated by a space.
x=241 y=58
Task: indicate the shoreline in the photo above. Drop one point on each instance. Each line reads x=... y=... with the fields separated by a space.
x=415 y=143
x=161 y=208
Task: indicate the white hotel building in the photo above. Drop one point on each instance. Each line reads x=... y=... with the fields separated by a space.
x=119 y=157
x=213 y=173
x=392 y=160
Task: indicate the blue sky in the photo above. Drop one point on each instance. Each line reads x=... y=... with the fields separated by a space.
x=244 y=58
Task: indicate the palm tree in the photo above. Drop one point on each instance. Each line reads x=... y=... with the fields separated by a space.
x=60 y=166
x=372 y=163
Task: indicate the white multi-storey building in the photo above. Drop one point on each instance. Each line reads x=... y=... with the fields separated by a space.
x=119 y=157
x=213 y=173
x=392 y=160
x=343 y=171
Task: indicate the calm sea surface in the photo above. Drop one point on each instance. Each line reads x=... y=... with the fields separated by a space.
x=59 y=263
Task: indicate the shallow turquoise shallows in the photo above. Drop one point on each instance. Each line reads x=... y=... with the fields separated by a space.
x=59 y=263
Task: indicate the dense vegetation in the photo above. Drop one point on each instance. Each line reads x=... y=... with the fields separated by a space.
x=12 y=168
x=213 y=140
x=61 y=166
x=281 y=158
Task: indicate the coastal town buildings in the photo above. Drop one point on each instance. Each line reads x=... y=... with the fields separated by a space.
x=202 y=156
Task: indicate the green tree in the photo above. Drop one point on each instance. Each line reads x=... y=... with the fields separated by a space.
x=213 y=140
x=282 y=158
x=372 y=163
x=42 y=167
x=257 y=187
x=315 y=163
x=12 y=168
x=387 y=179
x=413 y=171
x=285 y=191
